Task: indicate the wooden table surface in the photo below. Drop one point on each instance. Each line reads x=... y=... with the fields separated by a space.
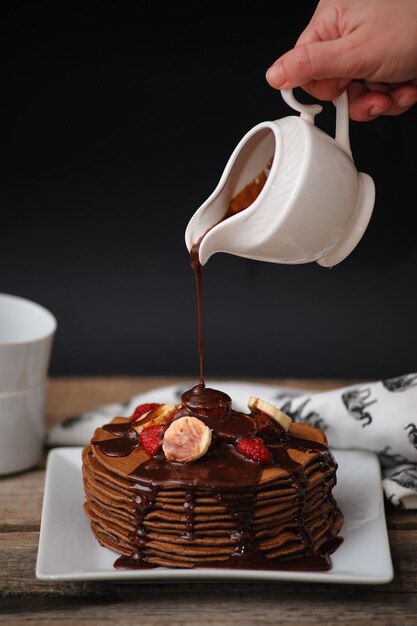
x=25 y=599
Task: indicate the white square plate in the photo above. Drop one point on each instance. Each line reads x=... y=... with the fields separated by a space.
x=68 y=550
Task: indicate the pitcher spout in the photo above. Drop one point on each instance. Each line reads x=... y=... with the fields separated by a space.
x=221 y=222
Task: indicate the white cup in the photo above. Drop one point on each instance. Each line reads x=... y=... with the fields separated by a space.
x=26 y=334
x=22 y=429
x=27 y=330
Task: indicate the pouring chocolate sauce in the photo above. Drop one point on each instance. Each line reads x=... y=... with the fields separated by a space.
x=214 y=408
x=239 y=203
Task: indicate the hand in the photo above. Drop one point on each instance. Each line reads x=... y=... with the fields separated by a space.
x=368 y=47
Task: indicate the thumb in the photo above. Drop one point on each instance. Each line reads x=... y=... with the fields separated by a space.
x=315 y=61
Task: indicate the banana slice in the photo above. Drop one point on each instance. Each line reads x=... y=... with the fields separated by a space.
x=262 y=406
x=186 y=440
x=155 y=417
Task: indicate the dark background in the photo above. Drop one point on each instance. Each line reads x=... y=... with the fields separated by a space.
x=118 y=118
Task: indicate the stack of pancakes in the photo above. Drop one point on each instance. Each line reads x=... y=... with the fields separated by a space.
x=188 y=526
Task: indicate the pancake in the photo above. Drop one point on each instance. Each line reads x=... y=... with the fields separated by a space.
x=222 y=508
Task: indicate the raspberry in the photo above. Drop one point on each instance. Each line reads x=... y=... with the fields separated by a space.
x=255 y=450
x=267 y=427
x=142 y=409
x=150 y=439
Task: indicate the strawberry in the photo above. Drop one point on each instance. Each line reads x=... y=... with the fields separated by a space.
x=266 y=426
x=150 y=439
x=142 y=409
x=254 y=450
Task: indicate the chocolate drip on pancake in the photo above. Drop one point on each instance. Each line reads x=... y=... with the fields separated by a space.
x=189 y=506
x=124 y=444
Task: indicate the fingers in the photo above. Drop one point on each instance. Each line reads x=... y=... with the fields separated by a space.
x=365 y=105
x=403 y=98
x=315 y=61
x=326 y=89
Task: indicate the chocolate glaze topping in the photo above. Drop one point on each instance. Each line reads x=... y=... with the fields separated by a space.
x=202 y=400
x=227 y=474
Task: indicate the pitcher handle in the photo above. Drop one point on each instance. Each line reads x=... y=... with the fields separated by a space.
x=342 y=123
x=309 y=111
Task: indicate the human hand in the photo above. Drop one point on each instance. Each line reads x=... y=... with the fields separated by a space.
x=368 y=47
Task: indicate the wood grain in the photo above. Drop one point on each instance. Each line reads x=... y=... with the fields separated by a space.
x=25 y=599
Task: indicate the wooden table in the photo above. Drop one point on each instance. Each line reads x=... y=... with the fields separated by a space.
x=26 y=599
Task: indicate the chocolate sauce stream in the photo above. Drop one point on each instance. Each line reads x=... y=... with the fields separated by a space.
x=196 y=265
x=239 y=203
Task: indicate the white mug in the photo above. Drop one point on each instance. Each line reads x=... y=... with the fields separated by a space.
x=27 y=330
x=22 y=429
x=314 y=205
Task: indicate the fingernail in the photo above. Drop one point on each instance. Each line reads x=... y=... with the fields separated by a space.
x=406 y=100
x=275 y=75
x=375 y=111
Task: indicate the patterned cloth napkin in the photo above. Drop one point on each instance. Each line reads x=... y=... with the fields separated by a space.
x=377 y=416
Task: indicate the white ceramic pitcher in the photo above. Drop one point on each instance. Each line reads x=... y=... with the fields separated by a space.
x=314 y=206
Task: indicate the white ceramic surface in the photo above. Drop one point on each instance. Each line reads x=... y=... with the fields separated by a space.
x=26 y=334
x=22 y=429
x=314 y=206
x=68 y=551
